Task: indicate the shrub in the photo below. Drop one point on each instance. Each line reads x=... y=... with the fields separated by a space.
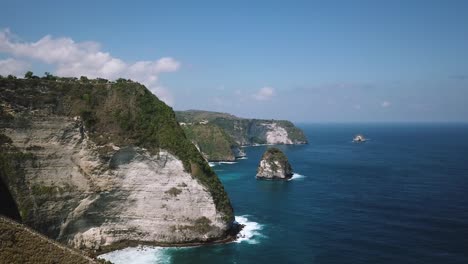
x=174 y=191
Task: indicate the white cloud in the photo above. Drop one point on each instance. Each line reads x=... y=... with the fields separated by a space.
x=75 y=59
x=164 y=94
x=13 y=66
x=386 y=104
x=264 y=94
x=357 y=107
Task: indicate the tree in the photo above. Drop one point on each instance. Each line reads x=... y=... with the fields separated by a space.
x=49 y=76
x=84 y=79
x=101 y=80
x=29 y=75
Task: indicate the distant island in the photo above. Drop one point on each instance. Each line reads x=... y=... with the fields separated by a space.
x=220 y=136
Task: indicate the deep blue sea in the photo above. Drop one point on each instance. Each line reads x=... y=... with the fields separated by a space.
x=400 y=197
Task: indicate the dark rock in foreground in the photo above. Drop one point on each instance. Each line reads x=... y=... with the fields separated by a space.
x=20 y=244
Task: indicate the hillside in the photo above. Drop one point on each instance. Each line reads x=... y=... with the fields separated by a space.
x=19 y=244
x=212 y=141
x=94 y=163
x=241 y=131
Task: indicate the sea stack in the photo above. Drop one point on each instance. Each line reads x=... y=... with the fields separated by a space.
x=274 y=165
x=359 y=138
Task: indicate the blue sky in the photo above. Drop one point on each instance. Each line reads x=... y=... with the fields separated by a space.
x=307 y=61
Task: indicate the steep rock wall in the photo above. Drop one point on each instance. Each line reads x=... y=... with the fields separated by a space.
x=78 y=184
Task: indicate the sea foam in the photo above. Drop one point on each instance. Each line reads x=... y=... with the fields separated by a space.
x=251 y=231
x=297 y=176
x=138 y=255
x=150 y=254
x=213 y=164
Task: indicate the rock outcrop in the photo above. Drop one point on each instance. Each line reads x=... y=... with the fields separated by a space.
x=274 y=165
x=94 y=165
x=359 y=138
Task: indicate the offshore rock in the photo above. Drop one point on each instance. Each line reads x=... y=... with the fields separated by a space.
x=274 y=165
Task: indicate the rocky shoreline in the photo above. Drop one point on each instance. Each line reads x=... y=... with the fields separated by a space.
x=231 y=236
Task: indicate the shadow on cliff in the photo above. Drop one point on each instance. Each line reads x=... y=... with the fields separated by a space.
x=7 y=203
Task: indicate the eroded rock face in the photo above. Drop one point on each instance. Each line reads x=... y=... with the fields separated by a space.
x=274 y=165
x=247 y=132
x=90 y=196
x=238 y=152
x=276 y=134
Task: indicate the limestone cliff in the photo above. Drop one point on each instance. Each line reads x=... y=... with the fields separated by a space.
x=240 y=131
x=96 y=164
x=274 y=165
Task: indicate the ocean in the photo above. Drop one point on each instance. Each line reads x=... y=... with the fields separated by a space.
x=400 y=197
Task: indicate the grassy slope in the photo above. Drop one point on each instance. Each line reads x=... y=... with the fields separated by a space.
x=19 y=244
x=212 y=141
x=125 y=113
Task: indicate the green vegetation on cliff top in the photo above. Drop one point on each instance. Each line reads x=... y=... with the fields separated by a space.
x=273 y=155
x=212 y=141
x=122 y=112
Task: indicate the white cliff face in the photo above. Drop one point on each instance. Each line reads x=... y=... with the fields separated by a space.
x=266 y=170
x=276 y=134
x=91 y=196
x=161 y=203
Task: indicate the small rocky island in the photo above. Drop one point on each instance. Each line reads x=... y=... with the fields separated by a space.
x=274 y=165
x=359 y=138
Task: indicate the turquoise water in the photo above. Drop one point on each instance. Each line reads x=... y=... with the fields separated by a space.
x=401 y=197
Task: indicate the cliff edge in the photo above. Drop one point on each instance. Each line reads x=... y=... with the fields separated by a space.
x=94 y=164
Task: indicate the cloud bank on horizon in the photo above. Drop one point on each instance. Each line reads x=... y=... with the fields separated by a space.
x=75 y=59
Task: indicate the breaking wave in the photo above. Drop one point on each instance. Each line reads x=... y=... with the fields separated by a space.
x=251 y=231
x=213 y=164
x=163 y=255
x=140 y=255
x=297 y=176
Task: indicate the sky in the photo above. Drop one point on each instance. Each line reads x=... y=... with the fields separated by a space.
x=305 y=61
